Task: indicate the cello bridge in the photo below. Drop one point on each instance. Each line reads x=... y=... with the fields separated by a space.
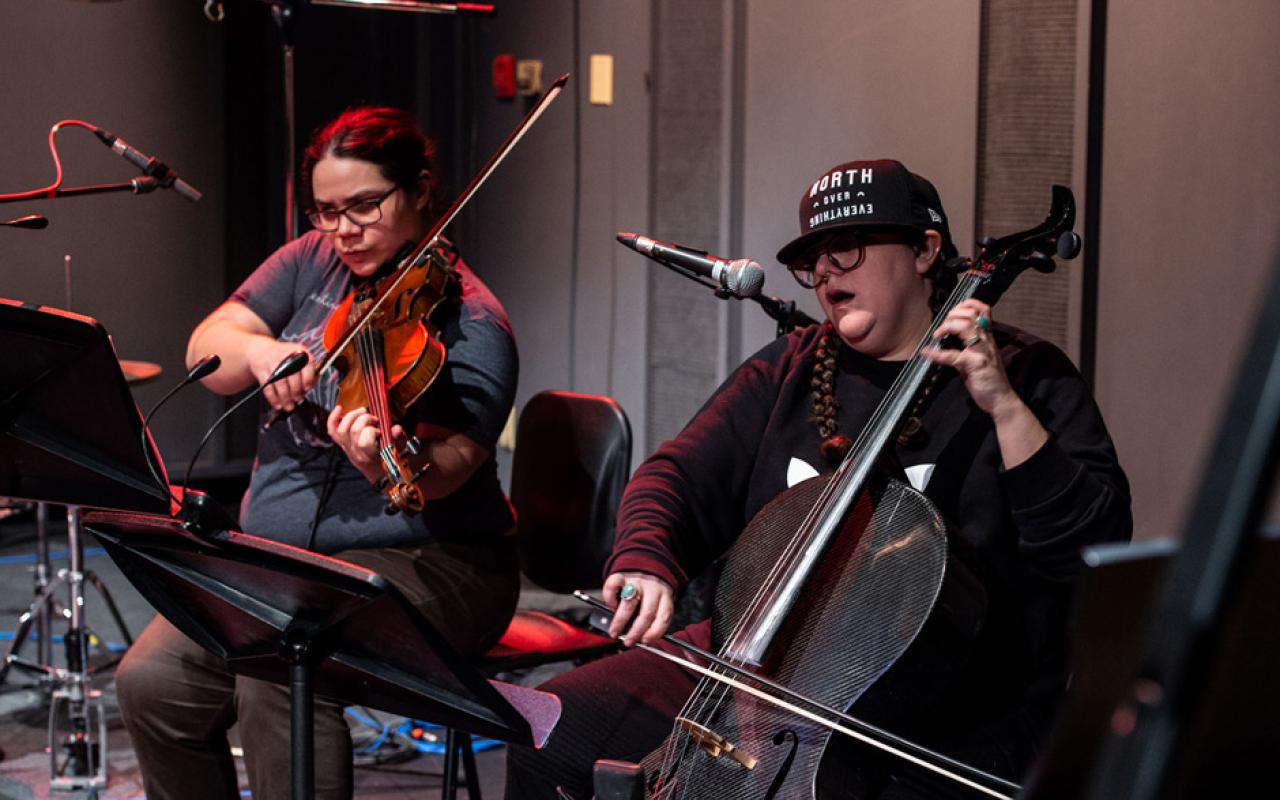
x=715 y=745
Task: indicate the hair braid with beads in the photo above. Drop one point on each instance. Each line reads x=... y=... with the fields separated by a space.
x=826 y=409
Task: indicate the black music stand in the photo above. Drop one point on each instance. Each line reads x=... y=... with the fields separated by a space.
x=320 y=625
x=70 y=433
x=69 y=429
x=1233 y=736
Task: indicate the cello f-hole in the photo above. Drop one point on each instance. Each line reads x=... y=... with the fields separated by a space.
x=781 y=775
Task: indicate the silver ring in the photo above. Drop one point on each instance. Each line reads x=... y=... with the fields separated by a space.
x=972 y=340
x=628 y=591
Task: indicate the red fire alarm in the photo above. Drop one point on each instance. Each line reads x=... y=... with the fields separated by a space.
x=504 y=76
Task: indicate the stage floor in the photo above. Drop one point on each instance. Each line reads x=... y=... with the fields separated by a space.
x=25 y=768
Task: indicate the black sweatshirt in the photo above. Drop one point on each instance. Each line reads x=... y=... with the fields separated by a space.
x=1020 y=530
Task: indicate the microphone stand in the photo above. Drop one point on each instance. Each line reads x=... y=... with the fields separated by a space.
x=140 y=185
x=284 y=13
x=783 y=312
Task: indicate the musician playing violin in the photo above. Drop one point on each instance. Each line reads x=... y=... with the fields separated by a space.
x=1004 y=439
x=370 y=176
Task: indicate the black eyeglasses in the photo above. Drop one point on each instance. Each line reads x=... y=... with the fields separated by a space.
x=819 y=261
x=362 y=213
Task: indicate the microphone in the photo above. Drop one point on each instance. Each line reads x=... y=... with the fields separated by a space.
x=202 y=369
x=150 y=166
x=741 y=278
x=31 y=221
x=199 y=511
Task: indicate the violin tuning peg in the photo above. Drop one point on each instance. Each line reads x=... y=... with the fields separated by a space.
x=413 y=445
x=417 y=476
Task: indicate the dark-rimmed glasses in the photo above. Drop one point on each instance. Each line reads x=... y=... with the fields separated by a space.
x=361 y=213
x=819 y=260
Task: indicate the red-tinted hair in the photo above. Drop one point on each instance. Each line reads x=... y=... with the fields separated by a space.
x=387 y=137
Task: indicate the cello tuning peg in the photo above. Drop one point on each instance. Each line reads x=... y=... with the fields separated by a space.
x=1041 y=262
x=1068 y=245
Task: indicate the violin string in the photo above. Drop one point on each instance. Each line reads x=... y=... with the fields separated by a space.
x=710 y=699
x=371 y=368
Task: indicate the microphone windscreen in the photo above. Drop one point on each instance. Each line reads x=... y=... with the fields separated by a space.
x=293 y=363
x=204 y=368
x=745 y=278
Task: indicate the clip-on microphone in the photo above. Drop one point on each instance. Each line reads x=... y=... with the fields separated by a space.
x=200 y=513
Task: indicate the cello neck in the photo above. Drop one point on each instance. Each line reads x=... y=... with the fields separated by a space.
x=761 y=624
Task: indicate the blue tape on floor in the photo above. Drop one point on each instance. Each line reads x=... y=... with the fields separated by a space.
x=57 y=555
x=114 y=647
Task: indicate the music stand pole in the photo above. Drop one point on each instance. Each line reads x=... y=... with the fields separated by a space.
x=44 y=637
x=302 y=719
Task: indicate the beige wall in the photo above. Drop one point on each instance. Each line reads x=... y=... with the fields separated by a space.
x=1189 y=231
x=851 y=80
x=147 y=267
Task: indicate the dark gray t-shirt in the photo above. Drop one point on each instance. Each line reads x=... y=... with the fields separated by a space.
x=300 y=477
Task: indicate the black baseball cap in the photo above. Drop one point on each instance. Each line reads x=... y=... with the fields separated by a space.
x=868 y=194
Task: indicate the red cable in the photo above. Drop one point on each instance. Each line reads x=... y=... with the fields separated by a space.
x=51 y=190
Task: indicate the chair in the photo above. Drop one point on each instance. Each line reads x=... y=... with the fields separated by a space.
x=571 y=461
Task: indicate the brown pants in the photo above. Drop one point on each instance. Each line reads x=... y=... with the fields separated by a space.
x=178 y=700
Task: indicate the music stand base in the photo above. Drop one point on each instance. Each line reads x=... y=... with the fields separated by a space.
x=83 y=747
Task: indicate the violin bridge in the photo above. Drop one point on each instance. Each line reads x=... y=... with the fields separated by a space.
x=715 y=745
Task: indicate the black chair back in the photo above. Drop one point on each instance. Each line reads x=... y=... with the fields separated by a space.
x=572 y=459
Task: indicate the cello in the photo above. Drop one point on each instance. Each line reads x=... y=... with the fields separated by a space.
x=854 y=557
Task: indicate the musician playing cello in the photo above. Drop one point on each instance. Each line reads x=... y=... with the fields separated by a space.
x=1006 y=441
x=370 y=174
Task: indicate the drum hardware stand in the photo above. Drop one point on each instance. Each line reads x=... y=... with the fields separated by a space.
x=77 y=715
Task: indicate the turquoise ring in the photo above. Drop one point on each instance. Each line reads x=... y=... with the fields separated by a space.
x=982 y=322
x=628 y=592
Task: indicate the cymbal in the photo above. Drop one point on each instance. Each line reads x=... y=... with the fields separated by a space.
x=139 y=372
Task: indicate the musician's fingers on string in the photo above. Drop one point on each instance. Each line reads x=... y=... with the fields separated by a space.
x=364 y=432
x=342 y=429
x=967 y=322
x=331 y=424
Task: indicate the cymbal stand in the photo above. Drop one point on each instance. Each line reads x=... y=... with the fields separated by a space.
x=77 y=718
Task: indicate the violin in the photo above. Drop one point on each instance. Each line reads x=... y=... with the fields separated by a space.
x=827 y=599
x=388 y=363
x=383 y=343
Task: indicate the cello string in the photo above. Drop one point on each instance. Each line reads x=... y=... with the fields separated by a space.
x=824 y=505
x=913 y=373
x=835 y=726
x=712 y=697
